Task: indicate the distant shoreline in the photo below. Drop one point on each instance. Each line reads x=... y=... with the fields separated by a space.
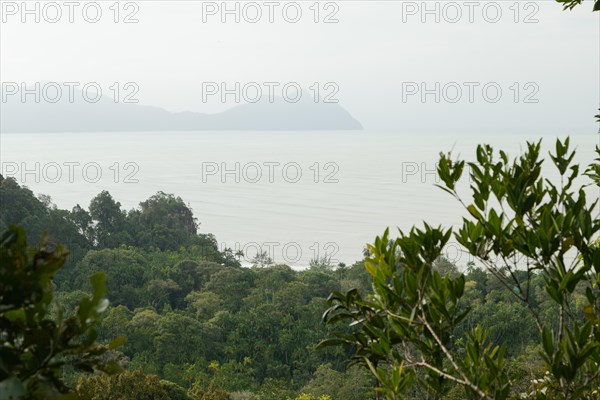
x=108 y=116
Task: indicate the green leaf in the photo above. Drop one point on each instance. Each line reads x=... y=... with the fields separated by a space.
x=11 y=389
x=474 y=212
x=371 y=268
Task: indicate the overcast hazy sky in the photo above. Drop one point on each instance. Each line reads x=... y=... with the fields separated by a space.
x=374 y=51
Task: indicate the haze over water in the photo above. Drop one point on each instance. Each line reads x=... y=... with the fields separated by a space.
x=352 y=184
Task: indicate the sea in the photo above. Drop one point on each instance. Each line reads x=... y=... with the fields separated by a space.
x=298 y=196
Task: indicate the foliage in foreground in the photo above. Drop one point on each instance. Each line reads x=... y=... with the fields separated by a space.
x=35 y=345
x=519 y=226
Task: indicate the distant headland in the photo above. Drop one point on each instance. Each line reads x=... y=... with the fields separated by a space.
x=104 y=115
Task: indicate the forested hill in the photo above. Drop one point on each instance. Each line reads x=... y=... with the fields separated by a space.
x=195 y=318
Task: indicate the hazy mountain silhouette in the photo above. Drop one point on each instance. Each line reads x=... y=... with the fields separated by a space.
x=107 y=116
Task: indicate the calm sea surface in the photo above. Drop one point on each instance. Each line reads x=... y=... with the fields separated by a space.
x=295 y=195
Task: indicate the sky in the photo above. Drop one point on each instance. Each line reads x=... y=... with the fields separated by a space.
x=489 y=67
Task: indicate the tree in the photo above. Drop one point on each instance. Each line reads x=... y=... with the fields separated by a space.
x=161 y=291
x=231 y=284
x=110 y=221
x=83 y=221
x=261 y=260
x=353 y=384
x=211 y=392
x=20 y=206
x=273 y=389
x=163 y=221
x=234 y=376
x=34 y=345
x=406 y=326
x=321 y=262
x=38 y=215
x=204 y=304
x=128 y=386
x=124 y=269
x=519 y=226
